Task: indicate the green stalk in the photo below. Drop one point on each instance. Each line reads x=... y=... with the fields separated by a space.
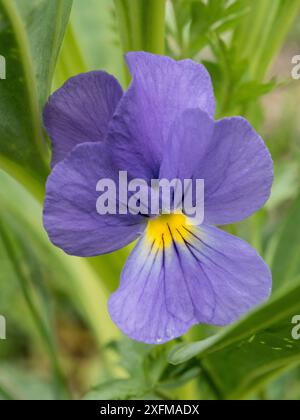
x=22 y=277
x=141 y=25
x=154 y=18
x=28 y=180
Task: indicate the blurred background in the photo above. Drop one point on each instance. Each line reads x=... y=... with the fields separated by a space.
x=60 y=341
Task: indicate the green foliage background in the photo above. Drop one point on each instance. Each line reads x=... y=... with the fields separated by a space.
x=61 y=342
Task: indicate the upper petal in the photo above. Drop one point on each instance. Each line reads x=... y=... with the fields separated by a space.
x=80 y=111
x=188 y=147
x=207 y=277
x=231 y=158
x=70 y=213
x=161 y=89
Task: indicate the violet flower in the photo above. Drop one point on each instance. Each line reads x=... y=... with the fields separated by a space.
x=177 y=275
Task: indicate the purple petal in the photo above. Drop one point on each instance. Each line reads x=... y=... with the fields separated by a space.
x=246 y=172
x=238 y=276
x=70 y=214
x=161 y=90
x=80 y=111
x=231 y=158
x=188 y=145
x=212 y=278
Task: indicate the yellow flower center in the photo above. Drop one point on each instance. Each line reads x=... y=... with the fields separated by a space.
x=168 y=228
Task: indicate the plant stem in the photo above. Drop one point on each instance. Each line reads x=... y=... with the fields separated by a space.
x=154 y=17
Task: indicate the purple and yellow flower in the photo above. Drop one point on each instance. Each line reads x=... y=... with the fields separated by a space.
x=177 y=275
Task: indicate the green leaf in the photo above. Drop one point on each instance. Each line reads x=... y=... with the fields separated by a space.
x=285 y=185
x=262 y=33
x=27 y=271
x=70 y=62
x=30 y=49
x=243 y=356
x=119 y=389
x=141 y=25
x=148 y=366
x=17 y=383
x=96 y=48
x=182 y=11
x=249 y=91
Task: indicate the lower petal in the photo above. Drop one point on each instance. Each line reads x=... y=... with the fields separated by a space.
x=206 y=276
x=238 y=275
